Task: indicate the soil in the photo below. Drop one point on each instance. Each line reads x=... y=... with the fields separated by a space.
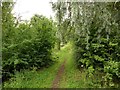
x=58 y=76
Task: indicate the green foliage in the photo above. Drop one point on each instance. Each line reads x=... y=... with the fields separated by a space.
x=98 y=47
x=34 y=78
x=112 y=67
x=27 y=45
x=94 y=27
x=65 y=30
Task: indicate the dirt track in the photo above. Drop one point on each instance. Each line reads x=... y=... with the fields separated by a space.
x=58 y=76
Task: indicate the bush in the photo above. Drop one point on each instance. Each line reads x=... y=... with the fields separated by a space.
x=32 y=52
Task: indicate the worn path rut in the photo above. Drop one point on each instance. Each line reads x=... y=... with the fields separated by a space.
x=59 y=75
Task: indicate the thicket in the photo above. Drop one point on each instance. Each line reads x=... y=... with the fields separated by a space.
x=97 y=41
x=25 y=45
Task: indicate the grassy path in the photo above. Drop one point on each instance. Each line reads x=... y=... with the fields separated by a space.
x=72 y=77
x=62 y=74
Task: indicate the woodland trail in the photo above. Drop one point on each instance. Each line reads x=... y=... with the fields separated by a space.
x=67 y=75
x=63 y=74
x=59 y=75
x=64 y=68
x=61 y=70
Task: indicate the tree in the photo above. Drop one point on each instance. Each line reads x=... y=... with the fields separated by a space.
x=60 y=9
x=7 y=23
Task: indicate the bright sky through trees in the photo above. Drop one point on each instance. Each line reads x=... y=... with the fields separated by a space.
x=27 y=8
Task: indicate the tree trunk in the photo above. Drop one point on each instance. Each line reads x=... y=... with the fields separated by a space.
x=58 y=47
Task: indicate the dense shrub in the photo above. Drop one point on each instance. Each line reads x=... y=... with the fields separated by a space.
x=103 y=57
x=31 y=52
x=98 y=45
